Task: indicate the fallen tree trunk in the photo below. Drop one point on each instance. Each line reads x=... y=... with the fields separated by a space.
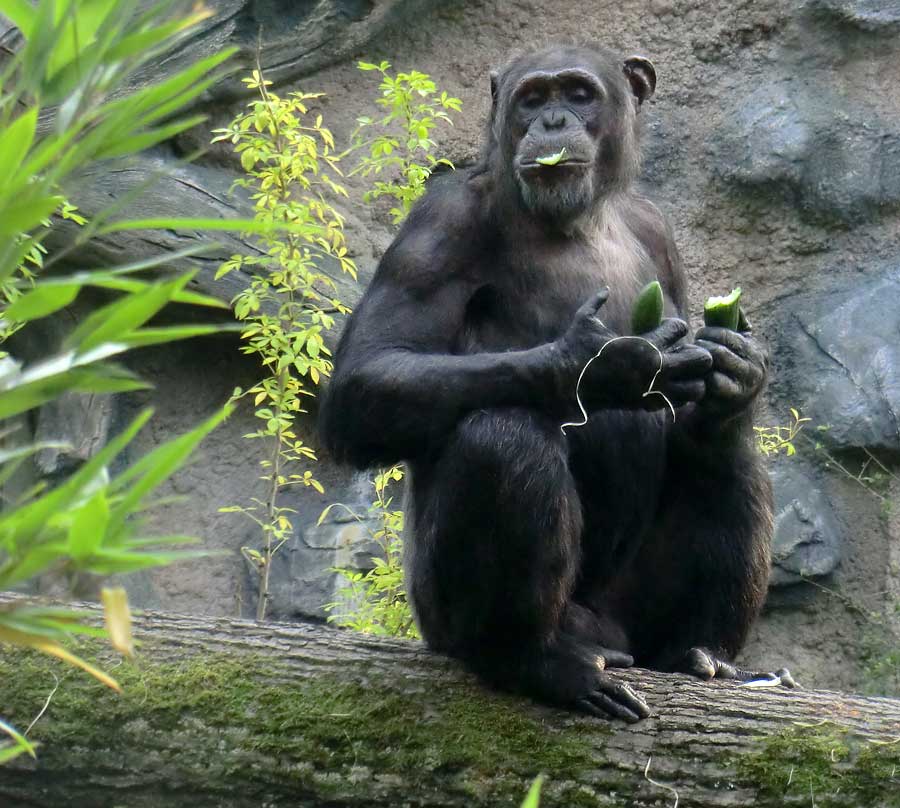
x=220 y=712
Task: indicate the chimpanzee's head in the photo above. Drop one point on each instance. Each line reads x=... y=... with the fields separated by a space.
x=563 y=125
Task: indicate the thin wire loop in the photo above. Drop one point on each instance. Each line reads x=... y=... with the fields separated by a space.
x=649 y=392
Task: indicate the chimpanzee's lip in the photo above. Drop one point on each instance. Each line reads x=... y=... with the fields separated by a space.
x=530 y=164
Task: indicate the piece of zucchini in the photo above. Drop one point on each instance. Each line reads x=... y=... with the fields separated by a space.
x=648 y=309
x=724 y=312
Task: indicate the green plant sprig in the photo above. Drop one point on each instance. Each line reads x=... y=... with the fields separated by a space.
x=402 y=144
x=291 y=169
x=375 y=601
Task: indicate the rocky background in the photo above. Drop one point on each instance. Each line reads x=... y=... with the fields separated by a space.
x=773 y=145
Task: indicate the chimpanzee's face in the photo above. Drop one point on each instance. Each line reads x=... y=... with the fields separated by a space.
x=567 y=130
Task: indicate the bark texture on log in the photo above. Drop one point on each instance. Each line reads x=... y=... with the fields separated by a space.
x=233 y=713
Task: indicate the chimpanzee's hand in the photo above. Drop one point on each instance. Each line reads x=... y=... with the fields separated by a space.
x=740 y=367
x=623 y=372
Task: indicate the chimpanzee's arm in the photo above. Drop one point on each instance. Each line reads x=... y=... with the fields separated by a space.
x=397 y=389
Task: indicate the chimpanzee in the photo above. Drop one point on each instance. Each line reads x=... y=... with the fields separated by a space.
x=540 y=557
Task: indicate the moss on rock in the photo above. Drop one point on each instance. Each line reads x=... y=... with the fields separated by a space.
x=315 y=732
x=826 y=764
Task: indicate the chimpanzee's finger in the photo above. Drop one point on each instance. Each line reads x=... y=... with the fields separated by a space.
x=593 y=304
x=684 y=392
x=616 y=659
x=722 y=386
x=687 y=361
x=667 y=333
x=744 y=346
x=726 y=360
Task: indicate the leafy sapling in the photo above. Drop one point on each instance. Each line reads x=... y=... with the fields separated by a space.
x=397 y=147
x=289 y=302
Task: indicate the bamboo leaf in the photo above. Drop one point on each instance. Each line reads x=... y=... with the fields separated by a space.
x=25 y=522
x=26 y=216
x=21 y=13
x=16 y=140
x=155 y=336
x=39 y=385
x=117 y=617
x=114 y=321
x=144 y=140
x=533 y=798
x=55 y=649
x=145 y=475
x=88 y=527
x=41 y=301
x=22 y=743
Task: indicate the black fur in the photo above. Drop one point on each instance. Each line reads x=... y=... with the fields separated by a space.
x=535 y=556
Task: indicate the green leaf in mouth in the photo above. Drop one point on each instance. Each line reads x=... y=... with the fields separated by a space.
x=552 y=159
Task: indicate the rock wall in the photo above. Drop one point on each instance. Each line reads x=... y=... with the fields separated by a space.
x=773 y=144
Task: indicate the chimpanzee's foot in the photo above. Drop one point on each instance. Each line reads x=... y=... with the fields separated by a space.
x=572 y=675
x=705 y=665
x=601 y=635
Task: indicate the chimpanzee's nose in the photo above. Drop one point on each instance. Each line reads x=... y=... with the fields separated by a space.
x=554 y=119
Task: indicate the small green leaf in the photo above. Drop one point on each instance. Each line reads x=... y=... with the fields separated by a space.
x=26 y=216
x=41 y=301
x=533 y=798
x=552 y=159
x=16 y=140
x=88 y=527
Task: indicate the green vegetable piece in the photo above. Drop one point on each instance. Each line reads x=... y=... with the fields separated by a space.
x=723 y=312
x=648 y=309
x=552 y=159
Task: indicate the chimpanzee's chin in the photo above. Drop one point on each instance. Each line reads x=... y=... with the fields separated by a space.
x=559 y=201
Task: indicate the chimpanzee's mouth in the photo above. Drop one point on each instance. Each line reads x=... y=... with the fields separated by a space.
x=533 y=164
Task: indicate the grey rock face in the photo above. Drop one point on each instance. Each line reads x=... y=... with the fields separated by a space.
x=770 y=138
x=807 y=541
x=873 y=16
x=836 y=158
x=302 y=579
x=843 y=352
x=289 y=39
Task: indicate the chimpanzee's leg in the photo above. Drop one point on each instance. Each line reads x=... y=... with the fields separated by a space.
x=493 y=551
x=691 y=594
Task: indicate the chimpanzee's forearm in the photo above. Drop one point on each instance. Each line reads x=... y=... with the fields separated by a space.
x=400 y=404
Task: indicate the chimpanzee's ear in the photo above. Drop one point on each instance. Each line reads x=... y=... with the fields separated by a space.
x=495 y=84
x=641 y=76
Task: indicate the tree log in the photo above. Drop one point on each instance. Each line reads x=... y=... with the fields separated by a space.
x=219 y=712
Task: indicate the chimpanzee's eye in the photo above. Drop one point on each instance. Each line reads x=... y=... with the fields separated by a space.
x=531 y=100
x=580 y=94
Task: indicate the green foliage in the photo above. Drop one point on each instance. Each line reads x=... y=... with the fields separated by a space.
x=773 y=440
x=374 y=602
x=399 y=143
x=289 y=301
x=73 y=73
x=880 y=655
x=26 y=272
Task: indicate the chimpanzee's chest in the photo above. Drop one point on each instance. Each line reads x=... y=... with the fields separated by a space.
x=518 y=303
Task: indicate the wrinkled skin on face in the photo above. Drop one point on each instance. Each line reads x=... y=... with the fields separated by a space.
x=578 y=102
